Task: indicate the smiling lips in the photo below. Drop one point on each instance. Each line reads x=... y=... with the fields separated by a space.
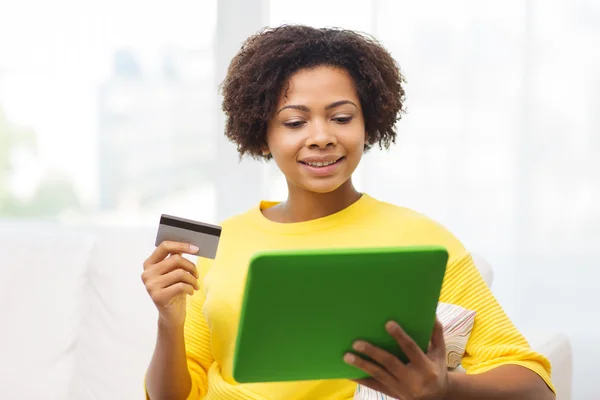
x=322 y=166
x=321 y=161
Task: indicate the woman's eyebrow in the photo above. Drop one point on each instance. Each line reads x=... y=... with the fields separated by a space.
x=327 y=107
x=295 y=107
x=339 y=103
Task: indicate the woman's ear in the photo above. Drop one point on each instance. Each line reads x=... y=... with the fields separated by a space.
x=265 y=151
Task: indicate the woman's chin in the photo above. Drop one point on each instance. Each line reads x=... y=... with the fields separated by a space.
x=324 y=186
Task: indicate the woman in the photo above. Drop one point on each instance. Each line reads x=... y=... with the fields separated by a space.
x=314 y=100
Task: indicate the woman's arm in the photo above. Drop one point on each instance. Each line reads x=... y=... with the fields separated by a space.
x=504 y=382
x=182 y=354
x=425 y=376
x=496 y=354
x=168 y=376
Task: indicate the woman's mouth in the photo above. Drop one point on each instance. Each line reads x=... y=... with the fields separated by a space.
x=322 y=168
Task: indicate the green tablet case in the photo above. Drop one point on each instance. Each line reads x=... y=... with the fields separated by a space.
x=303 y=309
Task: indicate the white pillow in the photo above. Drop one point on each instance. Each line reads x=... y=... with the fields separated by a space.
x=458 y=324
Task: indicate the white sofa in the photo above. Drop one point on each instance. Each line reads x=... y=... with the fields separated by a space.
x=77 y=322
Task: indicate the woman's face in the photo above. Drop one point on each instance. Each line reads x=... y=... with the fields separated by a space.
x=317 y=133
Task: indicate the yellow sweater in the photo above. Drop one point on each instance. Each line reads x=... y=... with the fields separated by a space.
x=213 y=312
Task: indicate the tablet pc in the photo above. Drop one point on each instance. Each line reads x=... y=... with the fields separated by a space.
x=303 y=309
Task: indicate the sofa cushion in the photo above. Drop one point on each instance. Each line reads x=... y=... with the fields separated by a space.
x=43 y=272
x=118 y=329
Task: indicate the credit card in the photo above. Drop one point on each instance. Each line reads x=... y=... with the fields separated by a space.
x=176 y=229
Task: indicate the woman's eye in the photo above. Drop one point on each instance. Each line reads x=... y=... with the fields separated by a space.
x=293 y=124
x=343 y=120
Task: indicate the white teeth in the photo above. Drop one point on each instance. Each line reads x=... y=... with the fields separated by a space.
x=321 y=164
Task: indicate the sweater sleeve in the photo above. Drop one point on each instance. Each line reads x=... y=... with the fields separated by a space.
x=494 y=340
x=197 y=337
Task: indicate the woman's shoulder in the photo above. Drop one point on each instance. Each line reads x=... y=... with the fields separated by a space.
x=239 y=220
x=417 y=227
x=394 y=213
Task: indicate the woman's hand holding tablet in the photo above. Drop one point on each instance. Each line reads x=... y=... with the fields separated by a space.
x=424 y=377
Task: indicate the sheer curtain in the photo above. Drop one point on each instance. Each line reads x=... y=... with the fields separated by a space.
x=106 y=109
x=501 y=144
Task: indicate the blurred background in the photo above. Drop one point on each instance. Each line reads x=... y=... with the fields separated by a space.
x=110 y=115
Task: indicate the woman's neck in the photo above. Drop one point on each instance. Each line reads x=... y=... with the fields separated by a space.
x=302 y=205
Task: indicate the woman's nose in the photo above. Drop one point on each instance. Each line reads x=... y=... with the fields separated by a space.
x=320 y=136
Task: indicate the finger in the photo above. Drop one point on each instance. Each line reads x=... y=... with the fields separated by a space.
x=438 y=343
x=172 y=263
x=166 y=295
x=166 y=248
x=177 y=276
x=176 y=261
x=374 y=370
x=413 y=352
x=387 y=360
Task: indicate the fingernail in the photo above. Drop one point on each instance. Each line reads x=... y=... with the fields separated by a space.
x=194 y=249
x=349 y=358
x=392 y=325
x=358 y=346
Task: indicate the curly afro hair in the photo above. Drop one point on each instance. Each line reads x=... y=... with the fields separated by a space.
x=257 y=75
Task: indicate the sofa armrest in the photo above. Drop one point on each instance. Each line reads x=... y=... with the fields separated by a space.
x=557 y=349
